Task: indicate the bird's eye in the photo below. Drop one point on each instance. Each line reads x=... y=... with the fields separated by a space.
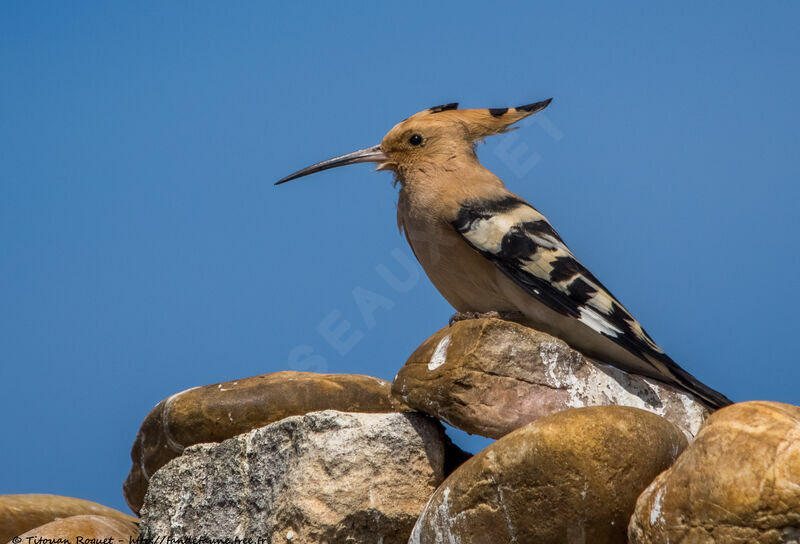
x=416 y=139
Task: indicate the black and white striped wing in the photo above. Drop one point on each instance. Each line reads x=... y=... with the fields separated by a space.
x=524 y=246
x=521 y=242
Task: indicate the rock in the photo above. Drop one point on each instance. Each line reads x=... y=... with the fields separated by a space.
x=323 y=477
x=87 y=527
x=489 y=377
x=21 y=513
x=737 y=482
x=570 y=477
x=217 y=412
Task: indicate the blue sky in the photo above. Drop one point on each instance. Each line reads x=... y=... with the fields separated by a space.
x=144 y=249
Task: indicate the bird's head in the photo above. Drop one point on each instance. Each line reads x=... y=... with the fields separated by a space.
x=434 y=135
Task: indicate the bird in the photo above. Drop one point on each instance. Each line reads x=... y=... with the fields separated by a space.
x=492 y=254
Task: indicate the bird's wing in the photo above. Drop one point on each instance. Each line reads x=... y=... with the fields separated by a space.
x=524 y=246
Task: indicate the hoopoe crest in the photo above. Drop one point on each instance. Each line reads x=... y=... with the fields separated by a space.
x=487 y=250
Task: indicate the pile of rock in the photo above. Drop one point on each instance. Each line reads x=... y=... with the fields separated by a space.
x=216 y=412
x=585 y=453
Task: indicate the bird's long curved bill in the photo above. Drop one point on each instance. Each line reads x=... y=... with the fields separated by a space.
x=370 y=154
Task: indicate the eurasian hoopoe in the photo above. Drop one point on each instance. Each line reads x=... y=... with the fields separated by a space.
x=487 y=250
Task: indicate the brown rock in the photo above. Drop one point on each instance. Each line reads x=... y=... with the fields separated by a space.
x=570 y=477
x=489 y=377
x=87 y=527
x=21 y=513
x=322 y=477
x=737 y=482
x=214 y=413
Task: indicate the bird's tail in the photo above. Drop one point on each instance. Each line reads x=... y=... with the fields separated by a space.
x=710 y=397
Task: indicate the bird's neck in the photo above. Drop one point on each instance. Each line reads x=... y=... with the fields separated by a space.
x=447 y=173
x=440 y=187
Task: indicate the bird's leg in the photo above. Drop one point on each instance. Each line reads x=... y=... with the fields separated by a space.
x=463 y=316
x=508 y=316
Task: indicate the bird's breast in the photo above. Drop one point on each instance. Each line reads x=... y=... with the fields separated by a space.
x=465 y=279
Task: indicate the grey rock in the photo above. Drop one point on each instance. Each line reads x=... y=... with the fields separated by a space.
x=322 y=477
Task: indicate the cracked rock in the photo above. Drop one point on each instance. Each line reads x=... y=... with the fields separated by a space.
x=570 y=477
x=489 y=377
x=737 y=482
x=323 y=477
x=213 y=413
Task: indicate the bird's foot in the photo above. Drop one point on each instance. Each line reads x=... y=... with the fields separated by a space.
x=463 y=316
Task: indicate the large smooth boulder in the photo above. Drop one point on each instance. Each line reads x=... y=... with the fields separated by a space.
x=737 y=482
x=490 y=376
x=213 y=413
x=570 y=477
x=21 y=513
x=89 y=528
x=323 y=477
